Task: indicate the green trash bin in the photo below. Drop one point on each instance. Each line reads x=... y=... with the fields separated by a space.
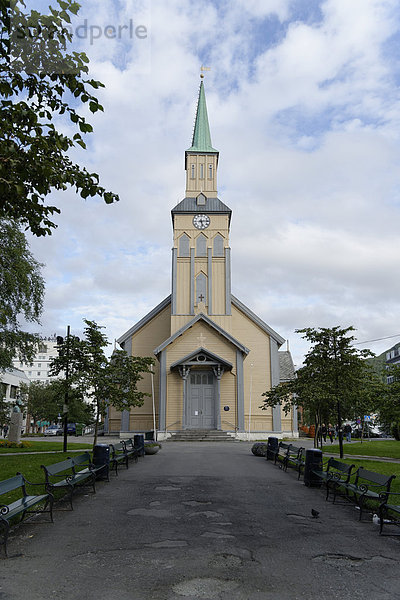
x=79 y=427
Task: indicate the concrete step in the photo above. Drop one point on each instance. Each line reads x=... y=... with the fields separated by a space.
x=203 y=435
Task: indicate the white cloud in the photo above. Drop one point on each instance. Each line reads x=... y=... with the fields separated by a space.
x=307 y=127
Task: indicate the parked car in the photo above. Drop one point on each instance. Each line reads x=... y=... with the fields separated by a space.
x=71 y=428
x=53 y=430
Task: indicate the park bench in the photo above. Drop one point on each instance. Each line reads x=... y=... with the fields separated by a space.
x=64 y=475
x=295 y=458
x=389 y=513
x=84 y=460
x=367 y=485
x=281 y=454
x=118 y=454
x=130 y=449
x=334 y=475
x=22 y=506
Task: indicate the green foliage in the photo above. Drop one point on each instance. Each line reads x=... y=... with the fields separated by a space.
x=395 y=430
x=40 y=82
x=122 y=377
x=14 y=445
x=45 y=402
x=335 y=381
x=107 y=381
x=389 y=409
x=21 y=295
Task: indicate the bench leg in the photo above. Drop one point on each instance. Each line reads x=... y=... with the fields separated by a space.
x=6 y=528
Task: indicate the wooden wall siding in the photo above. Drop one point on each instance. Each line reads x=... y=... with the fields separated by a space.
x=182 y=287
x=259 y=423
x=252 y=336
x=141 y=423
x=287 y=422
x=174 y=409
x=218 y=292
x=184 y=224
x=179 y=321
x=144 y=341
x=228 y=398
x=195 y=185
x=187 y=343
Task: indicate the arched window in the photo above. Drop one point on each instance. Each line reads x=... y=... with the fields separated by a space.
x=218 y=245
x=201 y=245
x=201 y=171
x=184 y=249
x=192 y=171
x=210 y=174
x=201 y=288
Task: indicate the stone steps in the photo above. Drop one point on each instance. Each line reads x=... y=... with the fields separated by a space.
x=201 y=435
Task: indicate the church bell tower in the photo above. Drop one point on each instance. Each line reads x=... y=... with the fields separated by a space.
x=201 y=256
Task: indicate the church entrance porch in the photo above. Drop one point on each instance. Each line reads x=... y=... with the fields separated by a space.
x=201 y=373
x=200 y=410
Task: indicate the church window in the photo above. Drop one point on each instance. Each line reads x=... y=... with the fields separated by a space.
x=201 y=288
x=201 y=171
x=184 y=249
x=210 y=172
x=201 y=245
x=201 y=199
x=218 y=245
x=192 y=172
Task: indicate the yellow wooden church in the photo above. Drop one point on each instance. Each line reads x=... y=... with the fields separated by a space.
x=213 y=357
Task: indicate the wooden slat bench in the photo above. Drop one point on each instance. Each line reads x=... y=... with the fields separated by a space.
x=118 y=454
x=367 y=485
x=130 y=449
x=295 y=458
x=63 y=475
x=334 y=474
x=281 y=454
x=22 y=506
x=389 y=512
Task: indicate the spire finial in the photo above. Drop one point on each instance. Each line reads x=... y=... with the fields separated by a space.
x=202 y=69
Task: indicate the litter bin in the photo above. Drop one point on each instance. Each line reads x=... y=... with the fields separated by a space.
x=138 y=442
x=313 y=463
x=272 y=447
x=149 y=435
x=101 y=456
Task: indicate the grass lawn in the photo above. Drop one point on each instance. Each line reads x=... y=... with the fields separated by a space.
x=386 y=468
x=29 y=466
x=47 y=447
x=389 y=448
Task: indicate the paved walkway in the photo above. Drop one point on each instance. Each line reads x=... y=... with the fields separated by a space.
x=202 y=521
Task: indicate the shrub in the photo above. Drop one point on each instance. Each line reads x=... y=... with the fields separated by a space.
x=395 y=430
x=8 y=444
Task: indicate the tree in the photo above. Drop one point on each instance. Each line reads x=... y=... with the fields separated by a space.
x=45 y=402
x=389 y=407
x=107 y=381
x=41 y=403
x=334 y=378
x=21 y=295
x=40 y=83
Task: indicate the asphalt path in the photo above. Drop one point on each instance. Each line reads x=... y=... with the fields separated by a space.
x=201 y=521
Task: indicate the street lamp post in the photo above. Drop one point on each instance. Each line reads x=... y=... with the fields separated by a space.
x=66 y=397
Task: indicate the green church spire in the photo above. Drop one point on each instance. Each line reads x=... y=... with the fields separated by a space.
x=201 y=141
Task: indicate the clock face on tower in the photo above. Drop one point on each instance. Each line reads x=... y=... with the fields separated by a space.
x=201 y=221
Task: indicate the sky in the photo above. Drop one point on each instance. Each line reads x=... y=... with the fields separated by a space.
x=304 y=108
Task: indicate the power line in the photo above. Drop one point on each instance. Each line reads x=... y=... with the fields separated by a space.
x=377 y=339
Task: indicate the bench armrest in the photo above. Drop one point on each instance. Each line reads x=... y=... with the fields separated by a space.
x=42 y=483
x=4 y=509
x=384 y=495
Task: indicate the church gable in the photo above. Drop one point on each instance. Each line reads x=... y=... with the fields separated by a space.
x=202 y=317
